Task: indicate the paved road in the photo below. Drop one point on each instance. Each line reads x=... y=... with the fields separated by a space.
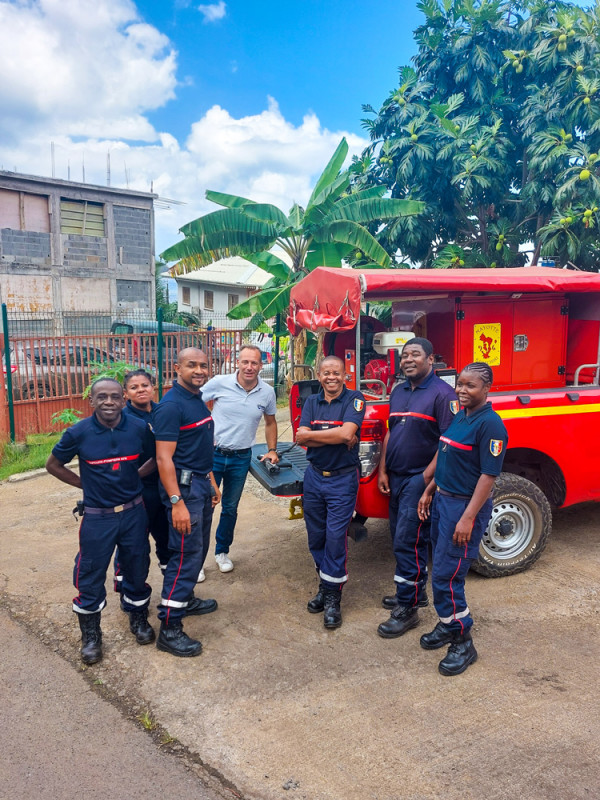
x=60 y=741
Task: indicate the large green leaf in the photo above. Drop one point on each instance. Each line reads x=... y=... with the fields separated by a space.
x=227 y=200
x=230 y=220
x=374 y=208
x=267 y=302
x=296 y=217
x=271 y=264
x=330 y=172
x=191 y=253
x=331 y=192
x=265 y=212
x=352 y=233
x=326 y=255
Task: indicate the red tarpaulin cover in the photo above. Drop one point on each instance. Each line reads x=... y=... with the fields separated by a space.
x=329 y=299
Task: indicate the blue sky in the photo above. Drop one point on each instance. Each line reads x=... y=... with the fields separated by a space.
x=310 y=55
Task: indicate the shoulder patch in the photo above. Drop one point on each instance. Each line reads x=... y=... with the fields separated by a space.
x=359 y=404
x=454 y=406
x=496 y=446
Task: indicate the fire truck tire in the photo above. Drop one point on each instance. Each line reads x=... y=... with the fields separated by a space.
x=518 y=530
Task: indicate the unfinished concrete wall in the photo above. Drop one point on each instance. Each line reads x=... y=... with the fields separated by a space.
x=49 y=247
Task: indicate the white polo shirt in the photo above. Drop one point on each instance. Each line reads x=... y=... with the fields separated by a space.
x=236 y=412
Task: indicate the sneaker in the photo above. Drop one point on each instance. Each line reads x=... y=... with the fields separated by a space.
x=201 y=576
x=224 y=563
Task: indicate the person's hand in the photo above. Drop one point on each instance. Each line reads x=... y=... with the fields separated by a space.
x=353 y=442
x=216 y=497
x=383 y=483
x=271 y=456
x=424 y=507
x=180 y=517
x=462 y=532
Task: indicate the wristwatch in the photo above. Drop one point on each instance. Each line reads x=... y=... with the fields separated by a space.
x=175 y=498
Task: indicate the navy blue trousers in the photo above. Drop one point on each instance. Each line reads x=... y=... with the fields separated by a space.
x=158 y=527
x=328 y=508
x=99 y=534
x=410 y=537
x=451 y=562
x=186 y=551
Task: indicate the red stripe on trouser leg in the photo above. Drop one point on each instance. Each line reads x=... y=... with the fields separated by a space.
x=176 y=577
x=418 y=565
x=462 y=627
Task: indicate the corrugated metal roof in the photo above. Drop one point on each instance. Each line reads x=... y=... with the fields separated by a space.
x=234 y=271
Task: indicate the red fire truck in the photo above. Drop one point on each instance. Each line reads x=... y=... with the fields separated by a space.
x=537 y=327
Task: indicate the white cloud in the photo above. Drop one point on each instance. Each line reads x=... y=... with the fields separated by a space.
x=81 y=67
x=91 y=79
x=213 y=11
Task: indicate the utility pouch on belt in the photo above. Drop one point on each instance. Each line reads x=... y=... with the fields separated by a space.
x=185 y=479
x=78 y=509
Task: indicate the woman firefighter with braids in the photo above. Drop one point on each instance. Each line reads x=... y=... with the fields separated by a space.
x=469 y=459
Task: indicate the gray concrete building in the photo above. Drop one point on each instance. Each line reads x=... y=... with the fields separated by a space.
x=71 y=248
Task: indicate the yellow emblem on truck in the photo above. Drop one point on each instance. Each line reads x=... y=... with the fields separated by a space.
x=486 y=343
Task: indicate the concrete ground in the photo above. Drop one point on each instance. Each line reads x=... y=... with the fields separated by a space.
x=278 y=707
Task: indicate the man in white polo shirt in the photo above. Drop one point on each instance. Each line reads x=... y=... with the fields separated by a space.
x=240 y=401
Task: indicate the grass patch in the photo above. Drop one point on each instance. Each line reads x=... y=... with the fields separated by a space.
x=16 y=458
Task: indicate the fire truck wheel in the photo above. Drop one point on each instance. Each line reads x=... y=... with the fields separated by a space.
x=519 y=528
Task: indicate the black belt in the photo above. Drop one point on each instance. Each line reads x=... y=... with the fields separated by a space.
x=225 y=452
x=331 y=473
x=456 y=496
x=115 y=509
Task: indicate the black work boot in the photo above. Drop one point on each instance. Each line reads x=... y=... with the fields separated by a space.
x=402 y=619
x=439 y=636
x=140 y=627
x=332 y=617
x=460 y=654
x=317 y=603
x=196 y=606
x=172 y=639
x=391 y=600
x=91 y=637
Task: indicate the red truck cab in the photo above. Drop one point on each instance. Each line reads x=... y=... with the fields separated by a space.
x=539 y=330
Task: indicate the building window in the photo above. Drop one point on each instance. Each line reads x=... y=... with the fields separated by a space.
x=81 y=217
x=209 y=301
x=185 y=295
x=21 y=211
x=232 y=300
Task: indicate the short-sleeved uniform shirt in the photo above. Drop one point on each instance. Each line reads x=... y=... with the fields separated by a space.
x=236 y=412
x=320 y=415
x=417 y=418
x=472 y=446
x=146 y=417
x=109 y=458
x=182 y=417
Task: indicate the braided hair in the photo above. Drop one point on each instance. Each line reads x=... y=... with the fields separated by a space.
x=484 y=371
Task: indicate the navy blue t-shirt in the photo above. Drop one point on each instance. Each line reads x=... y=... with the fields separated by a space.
x=182 y=417
x=472 y=446
x=146 y=417
x=109 y=458
x=319 y=415
x=417 y=418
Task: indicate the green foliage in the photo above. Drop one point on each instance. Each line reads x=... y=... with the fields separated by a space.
x=170 y=312
x=66 y=417
x=116 y=370
x=336 y=223
x=15 y=459
x=496 y=127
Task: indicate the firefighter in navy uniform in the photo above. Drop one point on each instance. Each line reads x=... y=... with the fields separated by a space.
x=184 y=432
x=469 y=459
x=111 y=446
x=138 y=388
x=421 y=408
x=330 y=429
